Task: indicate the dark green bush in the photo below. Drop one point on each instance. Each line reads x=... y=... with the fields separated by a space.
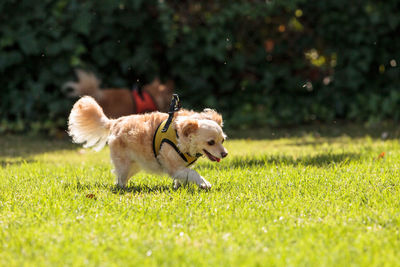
x=258 y=62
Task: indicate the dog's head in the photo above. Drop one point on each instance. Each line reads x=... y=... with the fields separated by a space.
x=161 y=93
x=202 y=133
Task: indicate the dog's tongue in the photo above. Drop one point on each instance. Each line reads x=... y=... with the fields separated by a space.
x=218 y=159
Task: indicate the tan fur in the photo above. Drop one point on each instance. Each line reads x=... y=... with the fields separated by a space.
x=88 y=124
x=131 y=140
x=190 y=127
x=213 y=115
x=118 y=102
x=87 y=84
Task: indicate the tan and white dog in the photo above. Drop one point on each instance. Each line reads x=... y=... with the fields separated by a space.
x=134 y=145
x=118 y=102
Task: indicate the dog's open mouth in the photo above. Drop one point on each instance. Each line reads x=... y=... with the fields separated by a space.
x=211 y=157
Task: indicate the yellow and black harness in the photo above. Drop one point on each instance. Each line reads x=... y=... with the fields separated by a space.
x=167 y=134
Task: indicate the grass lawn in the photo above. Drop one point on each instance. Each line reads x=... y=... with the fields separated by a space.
x=307 y=199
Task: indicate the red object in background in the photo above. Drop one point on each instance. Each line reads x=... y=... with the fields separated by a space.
x=144 y=102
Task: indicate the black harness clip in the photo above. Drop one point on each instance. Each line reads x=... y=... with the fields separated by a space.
x=174 y=107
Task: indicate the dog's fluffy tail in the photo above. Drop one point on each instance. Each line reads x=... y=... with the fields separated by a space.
x=87 y=84
x=88 y=125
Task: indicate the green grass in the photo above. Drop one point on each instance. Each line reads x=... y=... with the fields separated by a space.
x=289 y=201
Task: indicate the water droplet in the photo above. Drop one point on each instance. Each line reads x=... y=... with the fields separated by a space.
x=393 y=63
x=326 y=80
x=309 y=86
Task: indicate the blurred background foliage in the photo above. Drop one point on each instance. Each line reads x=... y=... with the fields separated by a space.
x=258 y=62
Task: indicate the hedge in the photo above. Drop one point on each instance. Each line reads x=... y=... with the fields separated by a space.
x=258 y=62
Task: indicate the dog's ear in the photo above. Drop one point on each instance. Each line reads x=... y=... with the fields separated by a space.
x=189 y=126
x=213 y=115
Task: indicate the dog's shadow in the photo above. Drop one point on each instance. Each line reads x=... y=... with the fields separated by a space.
x=141 y=188
x=132 y=188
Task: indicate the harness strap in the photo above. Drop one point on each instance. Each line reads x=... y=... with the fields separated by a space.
x=173 y=107
x=170 y=137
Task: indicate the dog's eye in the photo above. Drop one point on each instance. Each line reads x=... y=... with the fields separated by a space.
x=223 y=140
x=211 y=142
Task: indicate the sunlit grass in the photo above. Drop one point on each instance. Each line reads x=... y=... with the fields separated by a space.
x=289 y=201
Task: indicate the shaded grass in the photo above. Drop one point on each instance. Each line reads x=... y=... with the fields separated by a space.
x=289 y=201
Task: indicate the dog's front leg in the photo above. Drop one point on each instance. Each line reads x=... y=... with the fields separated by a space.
x=175 y=167
x=187 y=175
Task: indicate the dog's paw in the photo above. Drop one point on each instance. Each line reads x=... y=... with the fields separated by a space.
x=205 y=185
x=177 y=184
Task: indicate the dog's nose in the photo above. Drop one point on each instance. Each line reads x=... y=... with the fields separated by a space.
x=224 y=154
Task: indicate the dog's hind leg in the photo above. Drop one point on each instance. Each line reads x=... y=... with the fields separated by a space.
x=124 y=171
x=121 y=171
x=124 y=166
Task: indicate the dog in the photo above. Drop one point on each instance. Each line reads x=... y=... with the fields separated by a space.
x=122 y=102
x=156 y=142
